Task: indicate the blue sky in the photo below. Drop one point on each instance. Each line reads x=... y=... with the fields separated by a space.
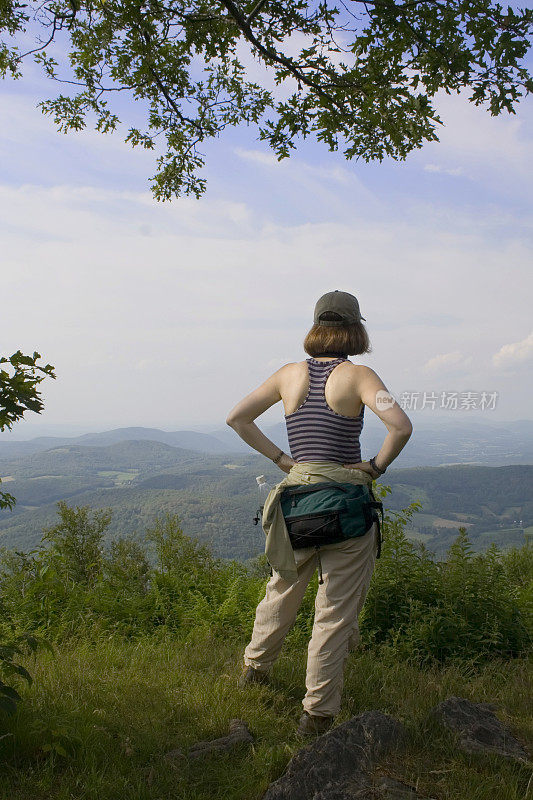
x=109 y=285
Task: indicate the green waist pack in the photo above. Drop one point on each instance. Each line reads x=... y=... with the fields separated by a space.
x=324 y=513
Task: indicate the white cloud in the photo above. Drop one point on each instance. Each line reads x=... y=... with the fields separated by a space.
x=514 y=353
x=296 y=166
x=493 y=150
x=445 y=171
x=31 y=212
x=445 y=361
x=310 y=186
x=167 y=314
x=259 y=157
x=175 y=327
x=472 y=130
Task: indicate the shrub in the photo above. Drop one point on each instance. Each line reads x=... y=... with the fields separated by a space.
x=468 y=606
x=10 y=652
x=463 y=607
x=76 y=543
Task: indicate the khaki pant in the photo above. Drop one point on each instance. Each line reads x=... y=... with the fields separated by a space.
x=347 y=568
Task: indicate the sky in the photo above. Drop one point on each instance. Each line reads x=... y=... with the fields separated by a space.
x=167 y=314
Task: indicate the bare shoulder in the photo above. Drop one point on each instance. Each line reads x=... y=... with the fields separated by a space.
x=367 y=379
x=363 y=371
x=287 y=371
x=361 y=368
x=290 y=366
x=350 y=375
x=352 y=370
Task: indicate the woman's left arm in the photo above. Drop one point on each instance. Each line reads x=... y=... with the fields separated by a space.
x=241 y=419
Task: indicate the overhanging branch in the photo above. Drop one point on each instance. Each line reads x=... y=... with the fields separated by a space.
x=274 y=56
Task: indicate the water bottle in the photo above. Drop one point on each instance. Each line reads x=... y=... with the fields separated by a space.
x=264 y=490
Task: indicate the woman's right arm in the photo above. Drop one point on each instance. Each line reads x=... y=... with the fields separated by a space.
x=377 y=397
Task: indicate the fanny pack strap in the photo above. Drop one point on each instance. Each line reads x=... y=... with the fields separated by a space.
x=379 y=506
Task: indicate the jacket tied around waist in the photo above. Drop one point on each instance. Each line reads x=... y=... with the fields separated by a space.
x=278 y=548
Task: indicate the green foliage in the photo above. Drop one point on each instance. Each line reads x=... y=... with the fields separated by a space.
x=127 y=566
x=19 y=390
x=258 y=567
x=472 y=606
x=56 y=740
x=468 y=606
x=76 y=543
x=11 y=651
x=106 y=709
x=175 y=551
x=518 y=572
x=234 y=615
x=214 y=502
x=18 y=393
x=360 y=79
x=43 y=491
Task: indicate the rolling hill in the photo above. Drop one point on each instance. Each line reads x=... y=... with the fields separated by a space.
x=215 y=495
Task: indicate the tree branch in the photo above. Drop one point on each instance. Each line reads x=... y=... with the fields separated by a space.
x=273 y=55
x=164 y=90
x=45 y=45
x=255 y=10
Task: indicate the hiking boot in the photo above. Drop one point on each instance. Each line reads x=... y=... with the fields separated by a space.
x=311 y=724
x=251 y=675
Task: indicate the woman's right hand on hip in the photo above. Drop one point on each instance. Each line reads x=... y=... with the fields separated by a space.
x=364 y=466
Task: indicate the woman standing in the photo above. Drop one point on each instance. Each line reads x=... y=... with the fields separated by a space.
x=324 y=398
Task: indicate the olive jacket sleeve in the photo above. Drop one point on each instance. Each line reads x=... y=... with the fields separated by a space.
x=278 y=548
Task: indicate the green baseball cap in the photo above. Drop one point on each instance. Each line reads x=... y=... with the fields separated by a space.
x=343 y=304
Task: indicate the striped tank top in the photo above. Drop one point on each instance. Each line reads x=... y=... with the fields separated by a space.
x=316 y=432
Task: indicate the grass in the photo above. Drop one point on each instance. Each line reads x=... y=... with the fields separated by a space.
x=101 y=715
x=120 y=478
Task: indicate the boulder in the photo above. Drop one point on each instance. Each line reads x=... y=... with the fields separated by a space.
x=478 y=728
x=338 y=761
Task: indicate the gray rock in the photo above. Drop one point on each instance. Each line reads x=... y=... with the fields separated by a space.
x=361 y=787
x=391 y=789
x=478 y=728
x=357 y=787
x=239 y=733
x=321 y=770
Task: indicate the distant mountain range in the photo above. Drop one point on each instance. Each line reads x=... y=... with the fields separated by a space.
x=460 y=442
x=188 y=440
x=215 y=495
